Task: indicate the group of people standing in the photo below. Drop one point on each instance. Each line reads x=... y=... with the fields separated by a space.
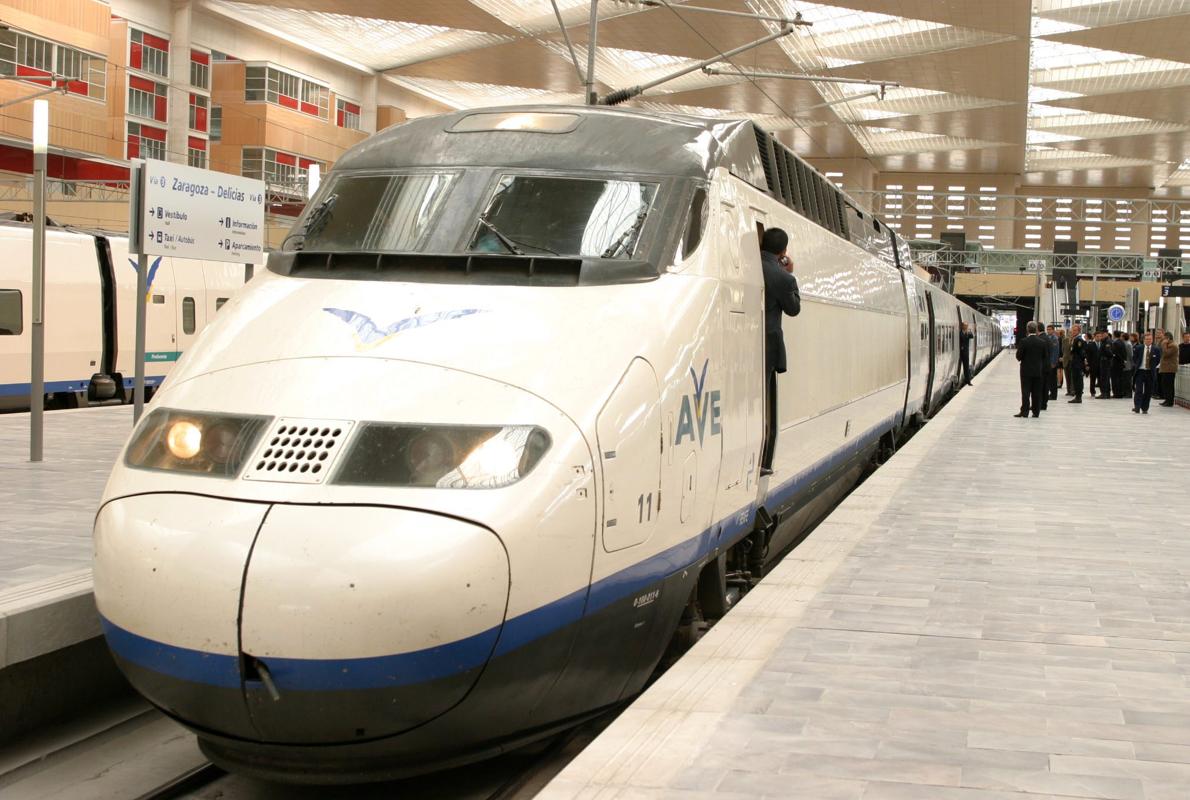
x=1119 y=365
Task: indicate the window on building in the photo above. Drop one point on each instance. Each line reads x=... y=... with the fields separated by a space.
x=277 y=168
x=220 y=302
x=272 y=85
x=147 y=98
x=12 y=321
x=200 y=69
x=216 y=123
x=196 y=152
x=145 y=141
x=199 y=106
x=41 y=61
x=347 y=114
x=148 y=53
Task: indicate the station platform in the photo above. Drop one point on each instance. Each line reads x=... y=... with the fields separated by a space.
x=1001 y=612
x=46 y=602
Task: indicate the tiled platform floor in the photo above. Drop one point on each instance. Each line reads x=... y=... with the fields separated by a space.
x=46 y=509
x=1002 y=612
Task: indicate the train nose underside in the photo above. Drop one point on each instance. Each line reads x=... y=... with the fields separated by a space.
x=297 y=624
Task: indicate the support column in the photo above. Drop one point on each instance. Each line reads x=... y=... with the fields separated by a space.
x=179 y=79
x=368 y=102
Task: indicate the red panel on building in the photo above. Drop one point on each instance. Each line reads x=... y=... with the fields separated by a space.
x=159 y=113
x=305 y=163
x=286 y=158
x=133 y=146
x=352 y=107
x=200 y=119
x=310 y=108
x=201 y=58
x=198 y=143
x=136 y=56
x=78 y=87
x=19 y=159
x=31 y=74
x=148 y=132
x=144 y=84
x=288 y=102
x=155 y=41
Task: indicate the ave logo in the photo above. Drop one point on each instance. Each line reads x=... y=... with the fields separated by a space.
x=699 y=408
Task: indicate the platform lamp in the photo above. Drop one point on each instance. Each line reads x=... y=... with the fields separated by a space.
x=41 y=137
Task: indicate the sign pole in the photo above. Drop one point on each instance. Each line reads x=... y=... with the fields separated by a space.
x=138 y=384
x=136 y=244
x=37 y=362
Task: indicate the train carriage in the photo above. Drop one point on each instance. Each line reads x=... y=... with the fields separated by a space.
x=456 y=467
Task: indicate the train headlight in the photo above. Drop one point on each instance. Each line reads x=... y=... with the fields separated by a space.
x=441 y=456
x=194 y=441
x=184 y=439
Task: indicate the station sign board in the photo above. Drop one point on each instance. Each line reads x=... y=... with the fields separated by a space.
x=1175 y=291
x=188 y=212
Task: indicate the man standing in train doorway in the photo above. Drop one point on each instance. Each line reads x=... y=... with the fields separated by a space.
x=965 y=337
x=780 y=297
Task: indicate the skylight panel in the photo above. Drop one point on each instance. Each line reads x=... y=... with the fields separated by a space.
x=464 y=94
x=537 y=16
x=375 y=43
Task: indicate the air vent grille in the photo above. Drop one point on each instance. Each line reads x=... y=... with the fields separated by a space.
x=298 y=450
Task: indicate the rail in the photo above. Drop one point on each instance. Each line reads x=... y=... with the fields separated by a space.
x=1116 y=265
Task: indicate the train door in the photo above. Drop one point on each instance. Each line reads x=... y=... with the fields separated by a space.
x=933 y=351
x=191 y=309
x=958 y=367
x=161 y=320
x=739 y=395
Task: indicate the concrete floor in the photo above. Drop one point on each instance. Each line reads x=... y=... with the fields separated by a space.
x=1002 y=612
x=46 y=509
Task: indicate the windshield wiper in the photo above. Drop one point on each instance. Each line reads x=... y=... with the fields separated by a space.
x=504 y=240
x=315 y=221
x=514 y=245
x=627 y=236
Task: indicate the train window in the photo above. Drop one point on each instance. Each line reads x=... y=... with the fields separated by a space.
x=372 y=213
x=187 y=315
x=533 y=214
x=697 y=222
x=11 y=316
x=220 y=302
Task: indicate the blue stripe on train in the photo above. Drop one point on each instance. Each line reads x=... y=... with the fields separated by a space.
x=465 y=654
x=80 y=385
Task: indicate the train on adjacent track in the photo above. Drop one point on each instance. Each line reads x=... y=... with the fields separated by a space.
x=90 y=312
x=452 y=472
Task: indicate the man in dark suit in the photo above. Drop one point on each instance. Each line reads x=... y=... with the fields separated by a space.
x=965 y=337
x=1105 y=359
x=1148 y=356
x=1053 y=357
x=1093 y=360
x=1076 y=362
x=1033 y=353
x=1120 y=356
x=780 y=297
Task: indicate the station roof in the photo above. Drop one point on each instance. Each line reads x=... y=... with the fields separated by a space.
x=1064 y=92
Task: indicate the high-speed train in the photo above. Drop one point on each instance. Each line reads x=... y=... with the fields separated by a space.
x=449 y=475
x=90 y=314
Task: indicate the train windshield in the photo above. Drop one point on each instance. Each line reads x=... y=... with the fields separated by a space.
x=377 y=213
x=531 y=214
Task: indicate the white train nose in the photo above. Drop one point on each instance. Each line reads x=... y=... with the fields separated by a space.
x=366 y=621
x=354 y=622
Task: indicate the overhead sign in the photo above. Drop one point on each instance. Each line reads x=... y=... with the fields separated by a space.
x=1175 y=291
x=188 y=212
x=1115 y=312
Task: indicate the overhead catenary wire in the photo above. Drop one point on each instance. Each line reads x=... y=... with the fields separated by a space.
x=569 y=45
x=741 y=73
